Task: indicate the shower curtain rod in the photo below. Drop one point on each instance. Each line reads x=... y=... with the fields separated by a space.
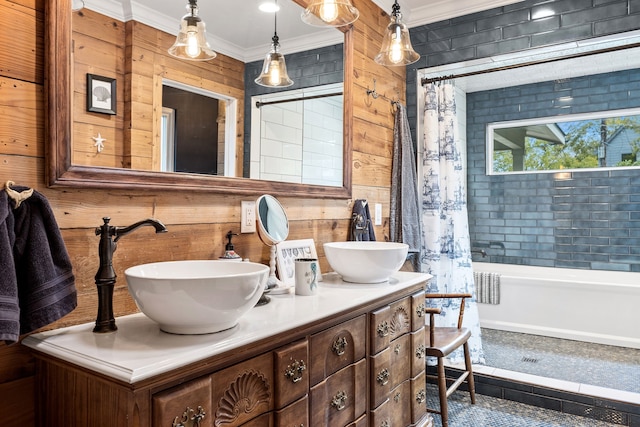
x=425 y=80
x=302 y=98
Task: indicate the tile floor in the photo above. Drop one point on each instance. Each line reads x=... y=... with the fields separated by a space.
x=575 y=366
x=569 y=376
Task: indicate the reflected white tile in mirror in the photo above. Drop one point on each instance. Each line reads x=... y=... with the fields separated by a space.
x=297 y=136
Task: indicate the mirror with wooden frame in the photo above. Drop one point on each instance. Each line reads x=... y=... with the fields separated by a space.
x=62 y=172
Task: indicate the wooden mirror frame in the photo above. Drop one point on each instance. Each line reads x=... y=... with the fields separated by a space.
x=59 y=130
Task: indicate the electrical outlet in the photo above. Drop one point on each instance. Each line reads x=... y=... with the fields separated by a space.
x=248 y=217
x=378 y=214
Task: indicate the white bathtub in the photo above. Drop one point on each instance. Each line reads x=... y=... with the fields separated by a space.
x=585 y=305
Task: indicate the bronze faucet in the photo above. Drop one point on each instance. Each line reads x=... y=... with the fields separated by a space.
x=106 y=275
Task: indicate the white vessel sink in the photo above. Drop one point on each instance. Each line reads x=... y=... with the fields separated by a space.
x=366 y=262
x=196 y=297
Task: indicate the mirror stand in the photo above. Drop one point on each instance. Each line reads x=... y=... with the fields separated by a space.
x=273 y=281
x=273 y=228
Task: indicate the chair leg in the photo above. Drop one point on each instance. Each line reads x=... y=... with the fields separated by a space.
x=442 y=391
x=470 y=382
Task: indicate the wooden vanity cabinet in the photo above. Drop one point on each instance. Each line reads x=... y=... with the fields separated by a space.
x=361 y=368
x=397 y=360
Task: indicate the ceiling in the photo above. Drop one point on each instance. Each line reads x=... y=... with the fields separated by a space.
x=238 y=29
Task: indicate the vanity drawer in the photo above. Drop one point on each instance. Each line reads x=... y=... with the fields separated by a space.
x=291 y=373
x=360 y=422
x=339 y=399
x=380 y=379
x=336 y=347
x=400 y=359
x=380 y=416
x=418 y=398
x=418 y=352
x=264 y=420
x=400 y=404
x=248 y=381
x=294 y=415
x=189 y=401
x=401 y=315
x=379 y=329
x=418 y=307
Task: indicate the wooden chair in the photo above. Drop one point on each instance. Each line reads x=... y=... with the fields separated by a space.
x=441 y=341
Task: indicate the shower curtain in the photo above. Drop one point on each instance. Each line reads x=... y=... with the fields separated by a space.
x=446 y=248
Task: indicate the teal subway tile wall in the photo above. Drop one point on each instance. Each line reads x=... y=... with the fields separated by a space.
x=589 y=219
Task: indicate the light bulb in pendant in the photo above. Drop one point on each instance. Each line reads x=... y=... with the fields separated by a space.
x=395 y=49
x=274 y=73
x=329 y=11
x=193 y=50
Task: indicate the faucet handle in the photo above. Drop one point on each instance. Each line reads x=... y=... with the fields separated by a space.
x=104 y=227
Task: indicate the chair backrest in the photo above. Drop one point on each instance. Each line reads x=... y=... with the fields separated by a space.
x=433 y=311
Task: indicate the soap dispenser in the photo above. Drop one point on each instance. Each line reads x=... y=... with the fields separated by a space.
x=229 y=253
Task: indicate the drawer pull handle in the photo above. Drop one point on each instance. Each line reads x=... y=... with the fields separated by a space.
x=383 y=377
x=421 y=396
x=189 y=417
x=421 y=351
x=385 y=423
x=396 y=349
x=295 y=370
x=339 y=346
x=396 y=398
x=420 y=310
x=383 y=329
x=339 y=401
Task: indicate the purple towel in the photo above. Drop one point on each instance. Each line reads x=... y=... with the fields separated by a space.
x=39 y=269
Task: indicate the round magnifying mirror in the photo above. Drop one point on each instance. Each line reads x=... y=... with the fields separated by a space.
x=273 y=228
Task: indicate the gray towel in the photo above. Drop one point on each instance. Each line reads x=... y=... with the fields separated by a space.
x=39 y=271
x=405 y=216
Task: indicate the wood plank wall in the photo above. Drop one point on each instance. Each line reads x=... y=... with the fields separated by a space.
x=198 y=222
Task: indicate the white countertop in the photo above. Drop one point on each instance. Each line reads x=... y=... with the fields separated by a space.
x=140 y=350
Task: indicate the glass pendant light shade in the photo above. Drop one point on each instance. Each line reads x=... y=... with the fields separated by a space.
x=330 y=13
x=191 y=42
x=274 y=69
x=396 y=46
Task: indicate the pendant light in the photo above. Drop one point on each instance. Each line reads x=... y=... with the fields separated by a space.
x=191 y=42
x=330 y=13
x=396 y=46
x=274 y=69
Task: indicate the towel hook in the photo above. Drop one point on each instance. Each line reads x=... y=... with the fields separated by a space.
x=375 y=95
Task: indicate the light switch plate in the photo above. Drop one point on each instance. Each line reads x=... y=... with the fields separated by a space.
x=378 y=214
x=248 y=217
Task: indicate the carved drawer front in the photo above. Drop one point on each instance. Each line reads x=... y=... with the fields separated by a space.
x=380 y=326
x=341 y=398
x=380 y=416
x=418 y=398
x=336 y=347
x=400 y=359
x=294 y=415
x=185 y=405
x=400 y=404
x=380 y=377
x=291 y=373
x=243 y=391
x=418 y=352
x=401 y=315
x=417 y=311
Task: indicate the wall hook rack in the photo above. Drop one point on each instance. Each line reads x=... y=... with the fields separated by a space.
x=375 y=95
